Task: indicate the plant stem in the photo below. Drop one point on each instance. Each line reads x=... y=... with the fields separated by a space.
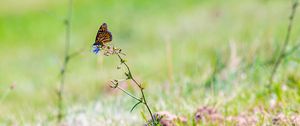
x=286 y=42
x=126 y=92
x=295 y=48
x=140 y=87
x=60 y=92
x=145 y=102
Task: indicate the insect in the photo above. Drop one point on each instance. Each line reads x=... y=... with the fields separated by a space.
x=103 y=36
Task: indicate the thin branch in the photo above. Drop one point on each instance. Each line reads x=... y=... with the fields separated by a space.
x=295 y=48
x=129 y=75
x=129 y=94
x=129 y=71
x=286 y=42
x=135 y=106
x=74 y=54
x=60 y=91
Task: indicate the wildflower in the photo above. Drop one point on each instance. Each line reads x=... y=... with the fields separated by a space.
x=243 y=120
x=166 y=118
x=96 y=49
x=208 y=114
x=110 y=50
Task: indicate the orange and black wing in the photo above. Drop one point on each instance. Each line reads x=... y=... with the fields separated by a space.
x=103 y=35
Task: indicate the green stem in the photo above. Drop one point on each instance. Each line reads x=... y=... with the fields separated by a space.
x=286 y=42
x=140 y=87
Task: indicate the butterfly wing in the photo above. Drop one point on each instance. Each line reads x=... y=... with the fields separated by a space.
x=103 y=35
x=106 y=37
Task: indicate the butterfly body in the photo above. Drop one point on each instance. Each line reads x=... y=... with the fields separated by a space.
x=103 y=36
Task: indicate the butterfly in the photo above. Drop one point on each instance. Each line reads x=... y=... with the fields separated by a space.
x=103 y=36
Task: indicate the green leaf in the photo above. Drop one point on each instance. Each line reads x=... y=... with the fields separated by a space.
x=144 y=116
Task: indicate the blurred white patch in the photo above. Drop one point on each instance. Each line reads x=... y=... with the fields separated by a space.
x=80 y=120
x=98 y=114
x=243 y=76
x=284 y=87
x=273 y=101
x=234 y=59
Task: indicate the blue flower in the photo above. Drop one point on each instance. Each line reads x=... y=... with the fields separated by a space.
x=96 y=49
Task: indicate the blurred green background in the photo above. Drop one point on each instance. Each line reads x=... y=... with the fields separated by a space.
x=173 y=47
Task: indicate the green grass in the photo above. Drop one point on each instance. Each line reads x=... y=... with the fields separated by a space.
x=32 y=48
